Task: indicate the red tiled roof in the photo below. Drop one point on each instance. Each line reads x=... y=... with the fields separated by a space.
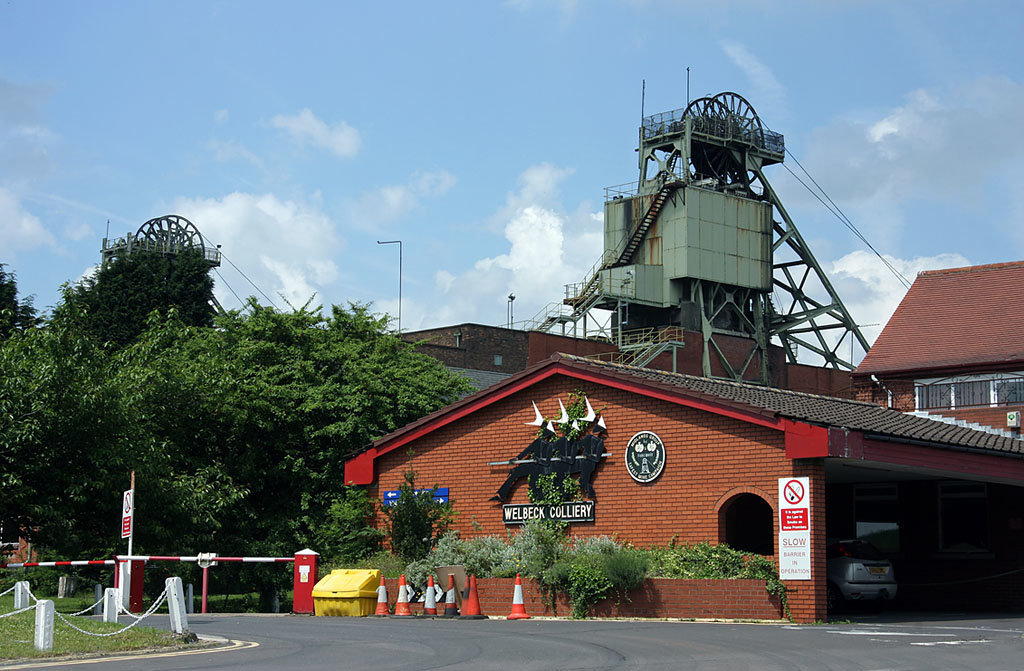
x=958 y=318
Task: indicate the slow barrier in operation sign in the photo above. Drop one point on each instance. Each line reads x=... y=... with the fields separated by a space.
x=794 y=529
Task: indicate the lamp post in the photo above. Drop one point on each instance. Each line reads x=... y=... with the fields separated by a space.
x=511 y=297
x=399 y=243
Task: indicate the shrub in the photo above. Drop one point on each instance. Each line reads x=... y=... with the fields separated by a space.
x=416 y=520
x=347 y=535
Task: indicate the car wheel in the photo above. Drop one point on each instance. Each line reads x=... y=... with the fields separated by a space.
x=833 y=598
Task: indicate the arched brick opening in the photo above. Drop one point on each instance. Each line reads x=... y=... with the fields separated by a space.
x=746 y=522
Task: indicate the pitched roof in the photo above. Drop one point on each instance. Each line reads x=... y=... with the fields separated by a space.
x=954 y=319
x=757 y=404
x=823 y=410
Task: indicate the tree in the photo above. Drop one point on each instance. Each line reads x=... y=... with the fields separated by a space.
x=117 y=300
x=15 y=315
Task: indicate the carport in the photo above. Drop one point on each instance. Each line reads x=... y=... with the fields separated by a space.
x=949 y=515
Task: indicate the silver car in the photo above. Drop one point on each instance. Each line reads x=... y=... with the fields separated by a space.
x=857 y=571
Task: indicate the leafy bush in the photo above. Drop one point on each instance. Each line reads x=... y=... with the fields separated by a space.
x=416 y=520
x=346 y=534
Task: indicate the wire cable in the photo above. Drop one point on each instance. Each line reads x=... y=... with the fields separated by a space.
x=240 y=301
x=248 y=280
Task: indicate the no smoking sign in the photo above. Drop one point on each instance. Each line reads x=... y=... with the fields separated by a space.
x=793 y=492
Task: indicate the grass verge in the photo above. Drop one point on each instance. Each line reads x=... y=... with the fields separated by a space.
x=17 y=633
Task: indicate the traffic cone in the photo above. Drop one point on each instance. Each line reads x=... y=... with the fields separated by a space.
x=382 y=599
x=471 y=604
x=402 y=606
x=450 y=609
x=430 y=605
x=518 y=607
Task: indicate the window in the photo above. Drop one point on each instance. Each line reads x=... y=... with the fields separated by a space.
x=963 y=517
x=747 y=523
x=1009 y=391
x=933 y=396
x=497 y=359
x=972 y=393
x=876 y=510
x=8 y=535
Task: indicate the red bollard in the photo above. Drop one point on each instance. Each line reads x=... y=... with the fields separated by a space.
x=305 y=579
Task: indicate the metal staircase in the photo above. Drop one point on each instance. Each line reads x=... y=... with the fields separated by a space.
x=634 y=240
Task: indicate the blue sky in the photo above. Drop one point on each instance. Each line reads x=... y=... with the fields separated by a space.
x=482 y=135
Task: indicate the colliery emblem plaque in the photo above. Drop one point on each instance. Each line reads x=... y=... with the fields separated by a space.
x=645 y=456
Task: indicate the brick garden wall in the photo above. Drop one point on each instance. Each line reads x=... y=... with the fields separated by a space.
x=656 y=598
x=710 y=460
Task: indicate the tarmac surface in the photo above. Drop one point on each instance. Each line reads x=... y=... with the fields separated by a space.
x=875 y=642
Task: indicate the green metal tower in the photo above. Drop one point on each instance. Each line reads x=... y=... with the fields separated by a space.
x=702 y=242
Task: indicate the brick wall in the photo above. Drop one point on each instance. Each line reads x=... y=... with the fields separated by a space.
x=710 y=460
x=902 y=392
x=994 y=417
x=658 y=597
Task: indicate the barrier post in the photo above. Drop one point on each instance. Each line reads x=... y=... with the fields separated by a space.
x=304 y=579
x=97 y=593
x=137 y=572
x=110 y=598
x=176 y=605
x=21 y=592
x=190 y=606
x=44 y=625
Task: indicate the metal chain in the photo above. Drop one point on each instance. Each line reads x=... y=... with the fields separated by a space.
x=152 y=609
x=9 y=589
x=15 y=612
x=33 y=596
x=121 y=610
x=84 y=610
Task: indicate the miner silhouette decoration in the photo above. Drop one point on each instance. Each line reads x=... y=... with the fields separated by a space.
x=551 y=454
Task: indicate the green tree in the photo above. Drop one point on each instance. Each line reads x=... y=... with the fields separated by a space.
x=115 y=302
x=15 y=315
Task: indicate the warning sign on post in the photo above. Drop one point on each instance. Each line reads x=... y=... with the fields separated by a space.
x=127 y=513
x=794 y=529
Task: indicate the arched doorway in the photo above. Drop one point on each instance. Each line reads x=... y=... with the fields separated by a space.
x=746 y=524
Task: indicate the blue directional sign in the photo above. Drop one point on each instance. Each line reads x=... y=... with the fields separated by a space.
x=440 y=495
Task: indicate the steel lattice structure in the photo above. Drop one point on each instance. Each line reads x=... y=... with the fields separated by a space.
x=703 y=241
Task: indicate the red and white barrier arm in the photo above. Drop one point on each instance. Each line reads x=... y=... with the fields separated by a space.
x=247 y=560
x=30 y=564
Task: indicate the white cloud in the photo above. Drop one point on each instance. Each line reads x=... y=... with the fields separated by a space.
x=547 y=248
x=340 y=139
x=285 y=247
x=871 y=292
x=769 y=94
x=19 y=229
x=390 y=203
x=220 y=116
x=939 y=143
x=225 y=151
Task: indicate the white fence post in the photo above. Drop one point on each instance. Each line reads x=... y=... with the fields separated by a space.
x=111 y=596
x=125 y=582
x=176 y=605
x=21 y=592
x=44 y=625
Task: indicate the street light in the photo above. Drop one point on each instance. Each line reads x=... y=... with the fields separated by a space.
x=399 y=243
x=511 y=297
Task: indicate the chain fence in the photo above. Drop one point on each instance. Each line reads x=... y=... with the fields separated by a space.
x=8 y=590
x=152 y=609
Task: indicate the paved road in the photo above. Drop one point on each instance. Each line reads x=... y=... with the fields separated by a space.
x=362 y=643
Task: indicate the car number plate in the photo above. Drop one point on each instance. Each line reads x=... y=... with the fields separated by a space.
x=878 y=570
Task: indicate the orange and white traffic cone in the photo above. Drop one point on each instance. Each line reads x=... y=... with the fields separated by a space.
x=450 y=608
x=402 y=607
x=471 y=604
x=430 y=605
x=518 y=607
x=382 y=599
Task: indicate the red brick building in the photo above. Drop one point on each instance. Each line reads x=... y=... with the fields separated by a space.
x=727 y=448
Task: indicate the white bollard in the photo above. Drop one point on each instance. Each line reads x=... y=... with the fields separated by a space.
x=125 y=582
x=190 y=605
x=97 y=594
x=44 y=625
x=110 y=599
x=21 y=592
x=62 y=587
x=176 y=605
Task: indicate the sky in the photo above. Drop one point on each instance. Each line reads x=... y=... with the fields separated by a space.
x=482 y=135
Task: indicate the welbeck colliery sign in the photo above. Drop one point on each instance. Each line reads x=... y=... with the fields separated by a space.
x=572 y=511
